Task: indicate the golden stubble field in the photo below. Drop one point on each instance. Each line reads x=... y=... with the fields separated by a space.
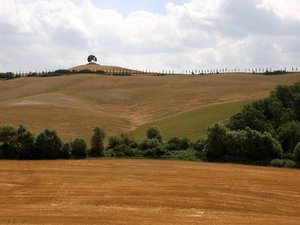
x=74 y=104
x=146 y=192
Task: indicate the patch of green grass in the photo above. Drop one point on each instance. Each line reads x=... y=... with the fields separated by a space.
x=193 y=124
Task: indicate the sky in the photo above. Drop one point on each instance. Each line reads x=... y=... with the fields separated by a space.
x=156 y=35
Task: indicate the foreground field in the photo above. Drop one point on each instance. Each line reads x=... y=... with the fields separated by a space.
x=74 y=104
x=146 y=192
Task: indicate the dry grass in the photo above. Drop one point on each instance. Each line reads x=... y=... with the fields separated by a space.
x=74 y=104
x=146 y=192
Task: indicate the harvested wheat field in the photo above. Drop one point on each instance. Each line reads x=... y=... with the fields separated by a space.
x=146 y=192
x=74 y=104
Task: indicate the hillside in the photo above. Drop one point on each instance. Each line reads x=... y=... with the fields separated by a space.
x=74 y=104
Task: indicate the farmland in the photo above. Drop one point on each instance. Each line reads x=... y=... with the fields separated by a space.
x=146 y=192
x=74 y=104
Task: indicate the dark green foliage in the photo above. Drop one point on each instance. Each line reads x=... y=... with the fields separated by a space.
x=66 y=151
x=215 y=148
x=189 y=155
x=289 y=135
x=25 y=143
x=285 y=95
x=114 y=141
x=297 y=152
x=97 y=146
x=122 y=150
x=85 y=71
x=245 y=144
x=277 y=72
x=156 y=152
x=48 y=145
x=79 y=148
x=178 y=144
x=9 y=139
x=7 y=76
x=250 y=117
x=148 y=143
x=154 y=133
x=283 y=163
x=297 y=107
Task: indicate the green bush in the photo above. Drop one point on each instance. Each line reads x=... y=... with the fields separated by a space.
x=297 y=152
x=289 y=135
x=283 y=163
x=178 y=144
x=154 y=133
x=147 y=143
x=25 y=143
x=123 y=151
x=79 y=149
x=48 y=145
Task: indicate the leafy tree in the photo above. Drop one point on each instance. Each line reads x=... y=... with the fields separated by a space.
x=25 y=143
x=66 y=151
x=285 y=95
x=114 y=141
x=48 y=145
x=154 y=132
x=97 y=143
x=297 y=107
x=79 y=148
x=123 y=150
x=297 y=152
x=289 y=135
x=178 y=144
x=8 y=137
x=249 y=117
x=215 y=148
x=149 y=143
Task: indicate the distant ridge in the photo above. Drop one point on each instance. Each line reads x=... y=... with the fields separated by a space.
x=96 y=67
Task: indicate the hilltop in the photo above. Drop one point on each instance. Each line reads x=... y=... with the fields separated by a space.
x=106 y=69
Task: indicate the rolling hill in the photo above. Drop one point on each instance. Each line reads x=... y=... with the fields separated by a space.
x=74 y=104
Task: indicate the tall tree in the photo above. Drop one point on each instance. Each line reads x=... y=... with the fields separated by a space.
x=97 y=146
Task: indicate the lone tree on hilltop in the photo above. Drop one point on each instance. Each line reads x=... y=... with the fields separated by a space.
x=92 y=59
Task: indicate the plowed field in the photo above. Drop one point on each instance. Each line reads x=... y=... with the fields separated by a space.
x=146 y=192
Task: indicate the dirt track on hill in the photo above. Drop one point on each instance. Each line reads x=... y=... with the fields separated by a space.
x=146 y=192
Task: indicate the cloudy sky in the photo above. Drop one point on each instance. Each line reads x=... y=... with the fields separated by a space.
x=156 y=35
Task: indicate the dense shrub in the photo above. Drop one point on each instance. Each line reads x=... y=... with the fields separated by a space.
x=178 y=144
x=25 y=143
x=283 y=163
x=66 y=151
x=297 y=152
x=154 y=133
x=122 y=150
x=79 y=148
x=289 y=135
x=215 y=148
x=114 y=141
x=247 y=144
x=48 y=145
x=149 y=143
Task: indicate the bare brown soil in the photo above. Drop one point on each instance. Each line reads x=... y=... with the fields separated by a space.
x=146 y=192
x=74 y=104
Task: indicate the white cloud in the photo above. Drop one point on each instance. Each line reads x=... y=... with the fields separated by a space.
x=52 y=34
